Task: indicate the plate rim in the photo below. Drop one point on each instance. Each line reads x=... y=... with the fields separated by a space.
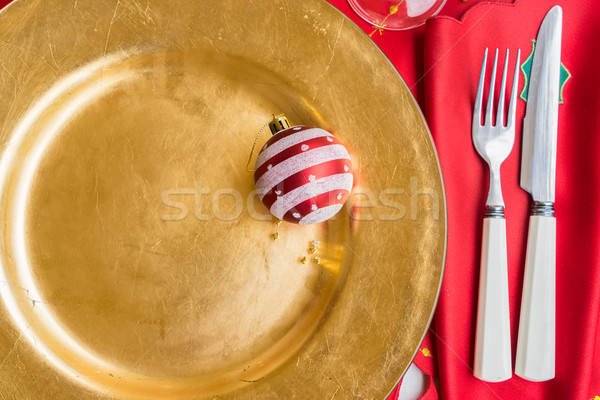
x=441 y=176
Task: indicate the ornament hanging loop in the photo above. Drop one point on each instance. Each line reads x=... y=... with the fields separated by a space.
x=278 y=123
x=254 y=146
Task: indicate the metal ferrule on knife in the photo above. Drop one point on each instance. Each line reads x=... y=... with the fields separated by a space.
x=542 y=208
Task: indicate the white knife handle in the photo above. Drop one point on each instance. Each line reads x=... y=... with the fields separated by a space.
x=535 y=345
x=492 y=338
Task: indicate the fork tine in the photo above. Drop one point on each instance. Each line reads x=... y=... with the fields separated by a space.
x=510 y=121
x=479 y=96
x=490 y=103
x=500 y=111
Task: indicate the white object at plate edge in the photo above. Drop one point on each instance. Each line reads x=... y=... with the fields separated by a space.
x=492 y=338
x=536 y=342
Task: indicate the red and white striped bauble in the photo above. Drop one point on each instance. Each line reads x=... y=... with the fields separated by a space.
x=303 y=175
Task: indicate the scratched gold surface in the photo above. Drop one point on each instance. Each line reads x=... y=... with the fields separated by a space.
x=117 y=115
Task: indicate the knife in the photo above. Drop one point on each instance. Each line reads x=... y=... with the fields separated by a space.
x=536 y=341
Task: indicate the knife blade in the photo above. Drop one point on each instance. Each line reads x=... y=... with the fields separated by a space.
x=540 y=126
x=536 y=341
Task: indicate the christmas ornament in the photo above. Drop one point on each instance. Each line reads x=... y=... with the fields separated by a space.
x=303 y=174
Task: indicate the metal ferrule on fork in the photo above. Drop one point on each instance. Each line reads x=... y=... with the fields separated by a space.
x=494 y=212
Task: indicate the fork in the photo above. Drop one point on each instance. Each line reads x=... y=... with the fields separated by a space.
x=494 y=143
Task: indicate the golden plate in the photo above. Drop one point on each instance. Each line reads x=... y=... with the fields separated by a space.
x=135 y=261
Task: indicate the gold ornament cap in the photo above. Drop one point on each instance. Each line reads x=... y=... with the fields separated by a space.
x=278 y=123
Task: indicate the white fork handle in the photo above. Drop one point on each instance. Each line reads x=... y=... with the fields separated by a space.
x=492 y=338
x=535 y=345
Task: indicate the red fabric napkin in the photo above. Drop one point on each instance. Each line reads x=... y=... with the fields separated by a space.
x=453 y=54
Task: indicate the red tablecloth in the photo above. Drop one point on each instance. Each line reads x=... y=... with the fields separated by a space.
x=440 y=63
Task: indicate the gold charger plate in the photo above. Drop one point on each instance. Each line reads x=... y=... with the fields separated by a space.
x=135 y=260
